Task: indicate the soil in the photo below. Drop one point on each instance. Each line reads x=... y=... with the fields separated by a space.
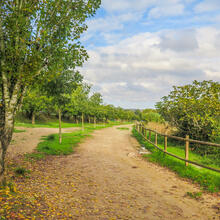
x=106 y=178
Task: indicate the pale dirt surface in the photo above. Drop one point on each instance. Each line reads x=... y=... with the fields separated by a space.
x=26 y=142
x=106 y=179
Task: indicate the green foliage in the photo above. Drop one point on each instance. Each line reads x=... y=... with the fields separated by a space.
x=194 y=109
x=209 y=180
x=152 y=116
x=38 y=40
x=35 y=101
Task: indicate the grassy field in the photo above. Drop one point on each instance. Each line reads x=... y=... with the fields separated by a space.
x=208 y=180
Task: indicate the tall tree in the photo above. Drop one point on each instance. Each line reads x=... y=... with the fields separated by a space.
x=37 y=38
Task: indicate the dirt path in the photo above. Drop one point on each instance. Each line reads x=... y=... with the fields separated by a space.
x=107 y=179
x=26 y=142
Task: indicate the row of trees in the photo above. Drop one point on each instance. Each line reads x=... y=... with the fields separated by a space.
x=39 y=40
x=69 y=97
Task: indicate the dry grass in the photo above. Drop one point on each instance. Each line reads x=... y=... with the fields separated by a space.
x=161 y=128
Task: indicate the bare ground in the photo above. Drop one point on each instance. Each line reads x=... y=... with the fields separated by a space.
x=106 y=179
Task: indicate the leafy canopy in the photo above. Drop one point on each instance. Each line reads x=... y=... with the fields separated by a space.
x=194 y=109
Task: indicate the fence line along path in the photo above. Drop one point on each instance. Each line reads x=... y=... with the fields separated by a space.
x=147 y=134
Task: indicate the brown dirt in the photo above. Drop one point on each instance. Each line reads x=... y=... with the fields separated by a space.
x=26 y=142
x=106 y=179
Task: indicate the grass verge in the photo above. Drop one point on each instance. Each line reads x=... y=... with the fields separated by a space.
x=55 y=124
x=123 y=128
x=208 y=180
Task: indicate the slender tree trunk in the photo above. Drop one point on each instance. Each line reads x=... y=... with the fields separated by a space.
x=83 y=122
x=33 y=118
x=89 y=119
x=60 y=130
x=94 y=121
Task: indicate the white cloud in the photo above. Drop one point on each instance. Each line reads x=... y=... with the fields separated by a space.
x=180 y=41
x=208 y=5
x=137 y=72
x=166 y=10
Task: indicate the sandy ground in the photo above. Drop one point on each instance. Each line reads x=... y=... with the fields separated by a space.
x=26 y=142
x=106 y=178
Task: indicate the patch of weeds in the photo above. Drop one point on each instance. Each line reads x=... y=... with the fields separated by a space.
x=21 y=171
x=123 y=128
x=50 y=137
x=194 y=195
x=18 y=131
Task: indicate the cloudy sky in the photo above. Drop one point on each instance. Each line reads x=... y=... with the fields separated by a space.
x=139 y=49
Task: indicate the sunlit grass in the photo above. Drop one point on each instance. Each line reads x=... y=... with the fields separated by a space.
x=209 y=180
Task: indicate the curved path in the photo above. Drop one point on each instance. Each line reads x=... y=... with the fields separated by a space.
x=107 y=179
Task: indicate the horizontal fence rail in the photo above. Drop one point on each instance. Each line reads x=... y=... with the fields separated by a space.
x=143 y=131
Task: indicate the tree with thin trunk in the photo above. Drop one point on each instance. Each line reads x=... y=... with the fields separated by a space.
x=37 y=38
x=59 y=90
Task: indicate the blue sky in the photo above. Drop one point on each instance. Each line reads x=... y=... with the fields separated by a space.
x=139 y=49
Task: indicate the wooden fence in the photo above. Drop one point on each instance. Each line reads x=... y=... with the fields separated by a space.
x=147 y=134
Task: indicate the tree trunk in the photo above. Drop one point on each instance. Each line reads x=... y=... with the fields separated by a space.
x=95 y=122
x=89 y=119
x=3 y=150
x=33 y=118
x=5 y=139
x=83 y=122
x=60 y=130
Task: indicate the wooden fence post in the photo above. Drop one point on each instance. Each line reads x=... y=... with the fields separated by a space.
x=155 y=141
x=187 y=150
x=165 y=143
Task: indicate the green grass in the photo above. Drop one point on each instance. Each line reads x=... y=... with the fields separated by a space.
x=50 y=144
x=55 y=124
x=178 y=148
x=208 y=180
x=52 y=124
x=18 y=131
x=122 y=128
